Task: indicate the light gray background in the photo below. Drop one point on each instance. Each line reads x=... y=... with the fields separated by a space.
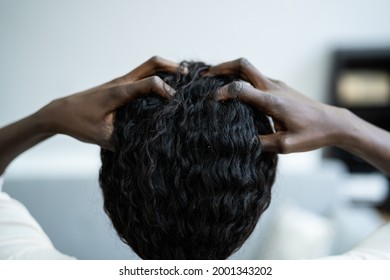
x=51 y=48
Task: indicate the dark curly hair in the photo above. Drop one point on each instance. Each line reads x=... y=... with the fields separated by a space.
x=188 y=178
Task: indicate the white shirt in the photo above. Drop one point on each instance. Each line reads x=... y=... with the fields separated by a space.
x=21 y=237
x=375 y=247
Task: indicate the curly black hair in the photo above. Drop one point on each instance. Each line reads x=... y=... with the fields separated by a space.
x=188 y=178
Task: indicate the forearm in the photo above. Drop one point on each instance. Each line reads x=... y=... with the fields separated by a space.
x=365 y=140
x=19 y=137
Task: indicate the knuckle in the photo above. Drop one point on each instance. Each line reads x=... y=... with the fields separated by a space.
x=281 y=146
x=155 y=80
x=279 y=83
x=243 y=63
x=155 y=60
x=276 y=84
x=274 y=101
x=235 y=88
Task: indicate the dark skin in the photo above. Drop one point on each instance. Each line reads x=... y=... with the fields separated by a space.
x=301 y=124
x=87 y=116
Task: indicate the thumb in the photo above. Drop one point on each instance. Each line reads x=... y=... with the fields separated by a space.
x=274 y=143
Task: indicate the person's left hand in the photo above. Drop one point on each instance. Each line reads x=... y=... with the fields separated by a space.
x=89 y=115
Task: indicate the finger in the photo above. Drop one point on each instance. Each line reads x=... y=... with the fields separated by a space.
x=126 y=93
x=285 y=142
x=274 y=143
x=148 y=85
x=151 y=67
x=108 y=145
x=257 y=99
x=243 y=69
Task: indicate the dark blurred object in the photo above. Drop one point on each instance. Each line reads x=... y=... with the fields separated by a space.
x=384 y=206
x=360 y=82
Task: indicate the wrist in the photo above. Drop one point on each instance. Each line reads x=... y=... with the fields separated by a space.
x=46 y=120
x=347 y=129
x=19 y=137
x=334 y=125
x=42 y=122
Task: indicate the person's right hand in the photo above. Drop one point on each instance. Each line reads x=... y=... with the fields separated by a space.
x=301 y=124
x=89 y=115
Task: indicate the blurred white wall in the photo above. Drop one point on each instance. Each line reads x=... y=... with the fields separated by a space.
x=53 y=48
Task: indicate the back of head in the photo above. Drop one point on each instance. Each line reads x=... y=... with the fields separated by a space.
x=188 y=178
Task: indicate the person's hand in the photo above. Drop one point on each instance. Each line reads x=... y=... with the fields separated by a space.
x=301 y=124
x=89 y=115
